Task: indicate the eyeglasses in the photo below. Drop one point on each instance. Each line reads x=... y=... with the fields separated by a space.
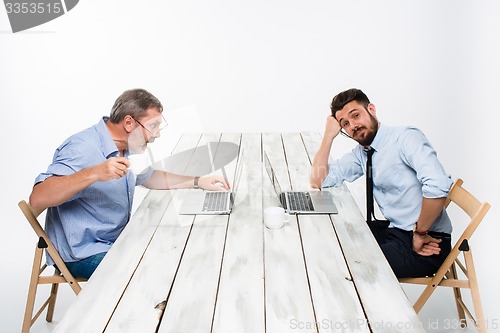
x=155 y=125
x=344 y=133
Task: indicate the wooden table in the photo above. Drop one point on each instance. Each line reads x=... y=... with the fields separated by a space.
x=228 y=273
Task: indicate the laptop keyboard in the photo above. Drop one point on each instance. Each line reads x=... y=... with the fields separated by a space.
x=300 y=201
x=215 y=201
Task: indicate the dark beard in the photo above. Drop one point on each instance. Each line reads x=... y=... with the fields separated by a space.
x=370 y=132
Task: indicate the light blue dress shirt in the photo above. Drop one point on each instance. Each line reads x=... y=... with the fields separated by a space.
x=91 y=221
x=405 y=169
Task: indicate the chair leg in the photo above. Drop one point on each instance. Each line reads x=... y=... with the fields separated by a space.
x=30 y=302
x=474 y=289
x=435 y=281
x=458 y=297
x=52 y=302
x=423 y=298
x=429 y=290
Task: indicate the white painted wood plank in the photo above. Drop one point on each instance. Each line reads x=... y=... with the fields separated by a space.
x=385 y=303
x=336 y=302
x=288 y=300
x=191 y=304
x=335 y=299
x=101 y=293
x=240 y=300
x=312 y=141
x=140 y=308
x=202 y=161
x=220 y=155
x=104 y=289
x=299 y=167
x=198 y=162
x=181 y=156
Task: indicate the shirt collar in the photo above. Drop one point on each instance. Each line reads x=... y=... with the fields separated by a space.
x=108 y=145
x=380 y=137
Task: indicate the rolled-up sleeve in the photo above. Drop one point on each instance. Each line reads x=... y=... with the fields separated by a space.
x=347 y=168
x=144 y=176
x=419 y=154
x=67 y=160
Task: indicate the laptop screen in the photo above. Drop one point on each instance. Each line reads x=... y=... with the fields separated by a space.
x=272 y=175
x=237 y=176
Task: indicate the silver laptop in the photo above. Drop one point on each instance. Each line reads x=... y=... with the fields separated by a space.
x=212 y=202
x=313 y=202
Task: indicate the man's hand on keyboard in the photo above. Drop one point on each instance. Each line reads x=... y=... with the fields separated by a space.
x=213 y=183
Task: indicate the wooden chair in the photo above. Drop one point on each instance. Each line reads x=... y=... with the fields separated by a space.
x=447 y=275
x=61 y=273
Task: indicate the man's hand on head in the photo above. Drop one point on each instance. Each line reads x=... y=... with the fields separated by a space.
x=332 y=128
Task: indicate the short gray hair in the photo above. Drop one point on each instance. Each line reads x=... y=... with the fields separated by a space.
x=134 y=102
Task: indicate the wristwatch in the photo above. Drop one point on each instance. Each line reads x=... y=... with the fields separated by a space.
x=195 y=183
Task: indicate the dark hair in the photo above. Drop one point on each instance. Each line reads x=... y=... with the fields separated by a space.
x=134 y=102
x=347 y=96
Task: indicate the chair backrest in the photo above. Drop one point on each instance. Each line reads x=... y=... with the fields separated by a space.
x=45 y=242
x=32 y=217
x=447 y=274
x=475 y=209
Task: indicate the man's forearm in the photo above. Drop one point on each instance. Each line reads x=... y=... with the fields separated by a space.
x=162 y=180
x=431 y=208
x=319 y=169
x=56 y=190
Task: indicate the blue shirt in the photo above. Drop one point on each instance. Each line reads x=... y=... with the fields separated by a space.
x=405 y=170
x=91 y=221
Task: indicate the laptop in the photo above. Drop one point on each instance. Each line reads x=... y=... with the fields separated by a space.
x=307 y=202
x=212 y=202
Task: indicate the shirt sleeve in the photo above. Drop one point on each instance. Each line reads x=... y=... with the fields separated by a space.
x=418 y=153
x=144 y=176
x=68 y=159
x=347 y=168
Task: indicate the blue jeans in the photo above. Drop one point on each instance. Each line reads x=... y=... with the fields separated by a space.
x=84 y=268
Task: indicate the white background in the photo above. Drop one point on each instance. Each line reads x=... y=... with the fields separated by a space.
x=253 y=66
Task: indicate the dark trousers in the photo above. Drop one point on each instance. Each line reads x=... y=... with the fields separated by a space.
x=397 y=246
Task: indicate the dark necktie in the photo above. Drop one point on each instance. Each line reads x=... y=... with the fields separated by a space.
x=370 y=211
x=369 y=184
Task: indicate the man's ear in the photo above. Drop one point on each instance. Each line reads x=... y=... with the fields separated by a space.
x=129 y=123
x=372 y=109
